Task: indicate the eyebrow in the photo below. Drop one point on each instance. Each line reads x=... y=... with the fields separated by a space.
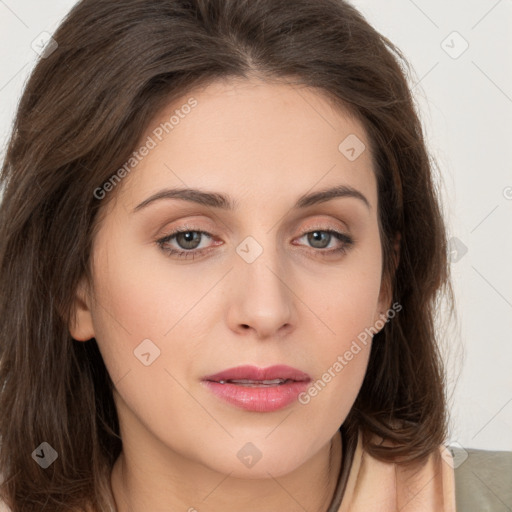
x=216 y=200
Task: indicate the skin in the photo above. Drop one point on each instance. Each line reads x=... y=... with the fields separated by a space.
x=265 y=145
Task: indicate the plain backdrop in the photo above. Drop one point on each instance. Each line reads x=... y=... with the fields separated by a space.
x=460 y=52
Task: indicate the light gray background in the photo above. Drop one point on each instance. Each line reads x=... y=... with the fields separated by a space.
x=466 y=106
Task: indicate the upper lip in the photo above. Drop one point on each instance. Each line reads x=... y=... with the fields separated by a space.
x=248 y=372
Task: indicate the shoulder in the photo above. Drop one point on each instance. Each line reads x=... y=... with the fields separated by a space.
x=482 y=479
x=429 y=485
x=386 y=486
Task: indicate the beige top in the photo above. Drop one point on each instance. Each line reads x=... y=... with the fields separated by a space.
x=386 y=487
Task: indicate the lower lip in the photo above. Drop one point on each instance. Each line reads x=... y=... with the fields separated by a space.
x=259 y=399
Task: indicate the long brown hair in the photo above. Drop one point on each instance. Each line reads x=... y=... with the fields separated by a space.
x=84 y=108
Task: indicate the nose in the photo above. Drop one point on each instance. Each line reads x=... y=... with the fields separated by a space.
x=263 y=301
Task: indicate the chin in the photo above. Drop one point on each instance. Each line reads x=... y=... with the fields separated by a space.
x=247 y=461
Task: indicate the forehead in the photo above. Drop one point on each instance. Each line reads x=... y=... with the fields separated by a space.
x=252 y=138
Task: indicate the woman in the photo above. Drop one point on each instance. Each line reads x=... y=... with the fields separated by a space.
x=221 y=253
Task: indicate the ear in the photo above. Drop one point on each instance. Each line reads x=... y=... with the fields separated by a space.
x=386 y=292
x=81 y=325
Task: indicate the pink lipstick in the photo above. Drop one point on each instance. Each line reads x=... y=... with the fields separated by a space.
x=258 y=389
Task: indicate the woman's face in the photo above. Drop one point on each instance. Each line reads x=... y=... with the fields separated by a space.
x=254 y=289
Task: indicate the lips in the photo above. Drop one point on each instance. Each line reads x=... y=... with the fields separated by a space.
x=258 y=389
x=253 y=376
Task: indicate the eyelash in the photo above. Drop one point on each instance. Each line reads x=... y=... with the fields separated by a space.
x=348 y=242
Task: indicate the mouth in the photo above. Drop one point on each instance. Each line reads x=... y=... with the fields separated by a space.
x=258 y=389
x=251 y=375
x=256 y=383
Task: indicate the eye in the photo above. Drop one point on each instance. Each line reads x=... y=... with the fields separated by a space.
x=320 y=238
x=189 y=239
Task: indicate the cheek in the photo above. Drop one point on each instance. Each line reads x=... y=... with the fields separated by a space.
x=141 y=297
x=348 y=299
x=341 y=360
x=138 y=294
x=125 y=310
x=347 y=305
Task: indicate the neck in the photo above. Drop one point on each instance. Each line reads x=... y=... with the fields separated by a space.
x=192 y=487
